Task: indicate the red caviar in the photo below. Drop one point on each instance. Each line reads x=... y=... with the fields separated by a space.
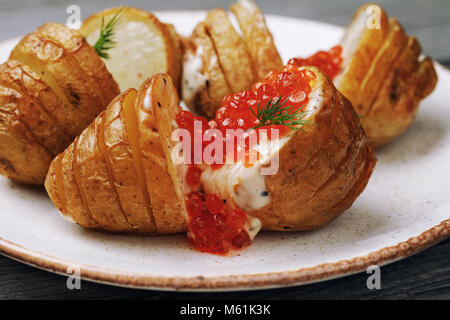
x=328 y=62
x=291 y=84
x=213 y=227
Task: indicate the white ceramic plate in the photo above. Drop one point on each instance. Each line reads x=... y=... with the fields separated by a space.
x=404 y=209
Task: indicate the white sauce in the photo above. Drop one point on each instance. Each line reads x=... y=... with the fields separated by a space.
x=193 y=78
x=242 y=186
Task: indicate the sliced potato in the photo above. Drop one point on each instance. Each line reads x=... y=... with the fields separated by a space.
x=123 y=171
x=207 y=99
x=114 y=176
x=360 y=47
x=144 y=45
x=383 y=75
x=57 y=85
x=166 y=206
x=22 y=158
x=234 y=57
x=57 y=65
x=258 y=38
x=28 y=110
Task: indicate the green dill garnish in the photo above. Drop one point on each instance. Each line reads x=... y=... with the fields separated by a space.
x=275 y=113
x=105 y=42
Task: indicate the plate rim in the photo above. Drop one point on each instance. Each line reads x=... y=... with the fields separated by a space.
x=321 y=272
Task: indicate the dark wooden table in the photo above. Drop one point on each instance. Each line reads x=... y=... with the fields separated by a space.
x=423 y=276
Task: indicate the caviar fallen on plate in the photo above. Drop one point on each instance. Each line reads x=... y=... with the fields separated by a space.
x=328 y=62
x=215 y=227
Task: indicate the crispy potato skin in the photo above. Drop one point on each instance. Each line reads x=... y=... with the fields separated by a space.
x=22 y=158
x=258 y=38
x=167 y=207
x=232 y=52
x=322 y=169
x=386 y=79
x=99 y=184
x=52 y=88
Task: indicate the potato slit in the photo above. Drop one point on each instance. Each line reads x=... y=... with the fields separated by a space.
x=384 y=48
x=76 y=175
x=102 y=147
x=42 y=110
x=40 y=69
x=59 y=183
x=208 y=34
x=129 y=115
x=75 y=63
x=30 y=132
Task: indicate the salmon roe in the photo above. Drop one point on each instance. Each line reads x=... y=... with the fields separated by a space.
x=328 y=62
x=213 y=227
x=291 y=84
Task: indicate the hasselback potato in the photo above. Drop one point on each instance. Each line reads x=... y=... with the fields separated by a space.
x=52 y=87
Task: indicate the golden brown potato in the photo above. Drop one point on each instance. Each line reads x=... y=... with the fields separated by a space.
x=52 y=88
x=322 y=168
x=54 y=52
x=119 y=171
x=383 y=74
x=258 y=38
x=144 y=45
x=22 y=158
x=232 y=51
x=218 y=61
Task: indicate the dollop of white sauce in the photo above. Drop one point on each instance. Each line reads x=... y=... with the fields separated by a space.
x=243 y=186
x=193 y=78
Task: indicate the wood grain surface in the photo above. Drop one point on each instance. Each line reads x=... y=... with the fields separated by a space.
x=423 y=276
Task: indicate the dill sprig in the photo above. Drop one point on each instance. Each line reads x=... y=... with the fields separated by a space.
x=275 y=113
x=106 y=42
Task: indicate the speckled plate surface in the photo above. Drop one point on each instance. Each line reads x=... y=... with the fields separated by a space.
x=405 y=209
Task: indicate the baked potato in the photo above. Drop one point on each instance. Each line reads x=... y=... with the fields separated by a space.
x=143 y=45
x=218 y=61
x=130 y=148
x=382 y=72
x=114 y=177
x=52 y=87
